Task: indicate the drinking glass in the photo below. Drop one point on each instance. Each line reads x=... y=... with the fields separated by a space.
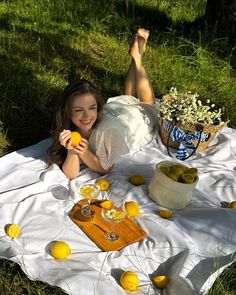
x=113 y=216
x=88 y=191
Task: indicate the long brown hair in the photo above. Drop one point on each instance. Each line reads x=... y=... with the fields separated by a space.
x=56 y=152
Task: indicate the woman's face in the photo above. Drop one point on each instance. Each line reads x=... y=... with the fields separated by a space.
x=84 y=112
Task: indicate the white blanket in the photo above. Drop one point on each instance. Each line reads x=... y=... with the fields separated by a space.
x=192 y=248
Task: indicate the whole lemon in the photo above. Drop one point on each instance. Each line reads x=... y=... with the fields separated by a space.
x=129 y=280
x=192 y=171
x=161 y=281
x=132 y=209
x=164 y=169
x=60 y=250
x=137 y=179
x=232 y=205
x=13 y=230
x=176 y=171
x=172 y=176
x=187 y=178
x=75 y=138
x=104 y=184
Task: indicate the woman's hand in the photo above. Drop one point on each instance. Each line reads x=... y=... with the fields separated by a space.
x=82 y=148
x=65 y=139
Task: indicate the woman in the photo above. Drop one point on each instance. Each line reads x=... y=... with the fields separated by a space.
x=108 y=131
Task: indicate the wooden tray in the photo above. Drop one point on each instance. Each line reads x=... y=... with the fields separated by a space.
x=129 y=231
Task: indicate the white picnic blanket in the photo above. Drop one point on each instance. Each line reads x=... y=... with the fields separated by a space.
x=192 y=247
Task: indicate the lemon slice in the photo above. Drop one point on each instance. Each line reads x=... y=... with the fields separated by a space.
x=75 y=138
x=166 y=213
x=106 y=204
x=118 y=215
x=104 y=184
x=137 y=179
x=13 y=230
x=60 y=250
x=232 y=205
x=132 y=209
x=161 y=281
x=129 y=280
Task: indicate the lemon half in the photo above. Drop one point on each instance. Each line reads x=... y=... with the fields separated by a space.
x=161 y=281
x=137 y=179
x=13 y=230
x=104 y=184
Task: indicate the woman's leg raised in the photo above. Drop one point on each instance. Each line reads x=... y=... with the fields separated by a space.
x=137 y=82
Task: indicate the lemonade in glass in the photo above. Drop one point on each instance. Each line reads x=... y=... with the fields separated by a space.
x=88 y=191
x=113 y=215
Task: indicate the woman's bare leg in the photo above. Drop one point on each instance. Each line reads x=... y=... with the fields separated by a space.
x=137 y=82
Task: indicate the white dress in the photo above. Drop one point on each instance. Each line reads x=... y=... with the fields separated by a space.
x=126 y=124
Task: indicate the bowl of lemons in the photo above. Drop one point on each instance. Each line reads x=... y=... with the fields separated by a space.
x=172 y=184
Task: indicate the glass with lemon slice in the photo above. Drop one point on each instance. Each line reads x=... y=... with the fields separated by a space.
x=88 y=191
x=113 y=215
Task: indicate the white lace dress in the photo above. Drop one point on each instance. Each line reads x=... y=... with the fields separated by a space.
x=125 y=126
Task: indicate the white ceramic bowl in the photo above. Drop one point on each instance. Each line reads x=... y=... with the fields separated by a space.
x=167 y=192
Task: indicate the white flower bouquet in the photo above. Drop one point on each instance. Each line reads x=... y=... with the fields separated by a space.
x=197 y=120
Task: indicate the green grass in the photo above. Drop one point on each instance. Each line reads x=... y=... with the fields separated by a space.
x=45 y=43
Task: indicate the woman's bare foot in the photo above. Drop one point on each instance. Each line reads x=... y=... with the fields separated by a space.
x=142 y=39
x=134 y=48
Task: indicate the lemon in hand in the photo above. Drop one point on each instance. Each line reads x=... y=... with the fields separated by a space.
x=60 y=250
x=161 y=281
x=137 y=179
x=129 y=281
x=75 y=138
x=13 y=230
x=103 y=184
x=132 y=209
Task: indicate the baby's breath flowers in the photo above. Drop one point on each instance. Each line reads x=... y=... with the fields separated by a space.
x=188 y=108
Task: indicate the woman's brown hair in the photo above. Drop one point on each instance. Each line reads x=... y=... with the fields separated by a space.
x=56 y=152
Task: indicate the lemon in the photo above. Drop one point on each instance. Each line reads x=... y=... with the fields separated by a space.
x=132 y=208
x=86 y=190
x=161 y=281
x=166 y=213
x=129 y=281
x=137 y=179
x=75 y=138
x=106 y=204
x=176 y=171
x=172 y=176
x=60 y=250
x=180 y=166
x=187 y=178
x=13 y=230
x=103 y=184
x=193 y=171
x=164 y=169
x=232 y=205
x=118 y=215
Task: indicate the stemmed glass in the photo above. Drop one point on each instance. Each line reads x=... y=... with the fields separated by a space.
x=88 y=191
x=113 y=216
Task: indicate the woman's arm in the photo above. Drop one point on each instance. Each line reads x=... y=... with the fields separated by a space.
x=71 y=165
x=90 y=159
